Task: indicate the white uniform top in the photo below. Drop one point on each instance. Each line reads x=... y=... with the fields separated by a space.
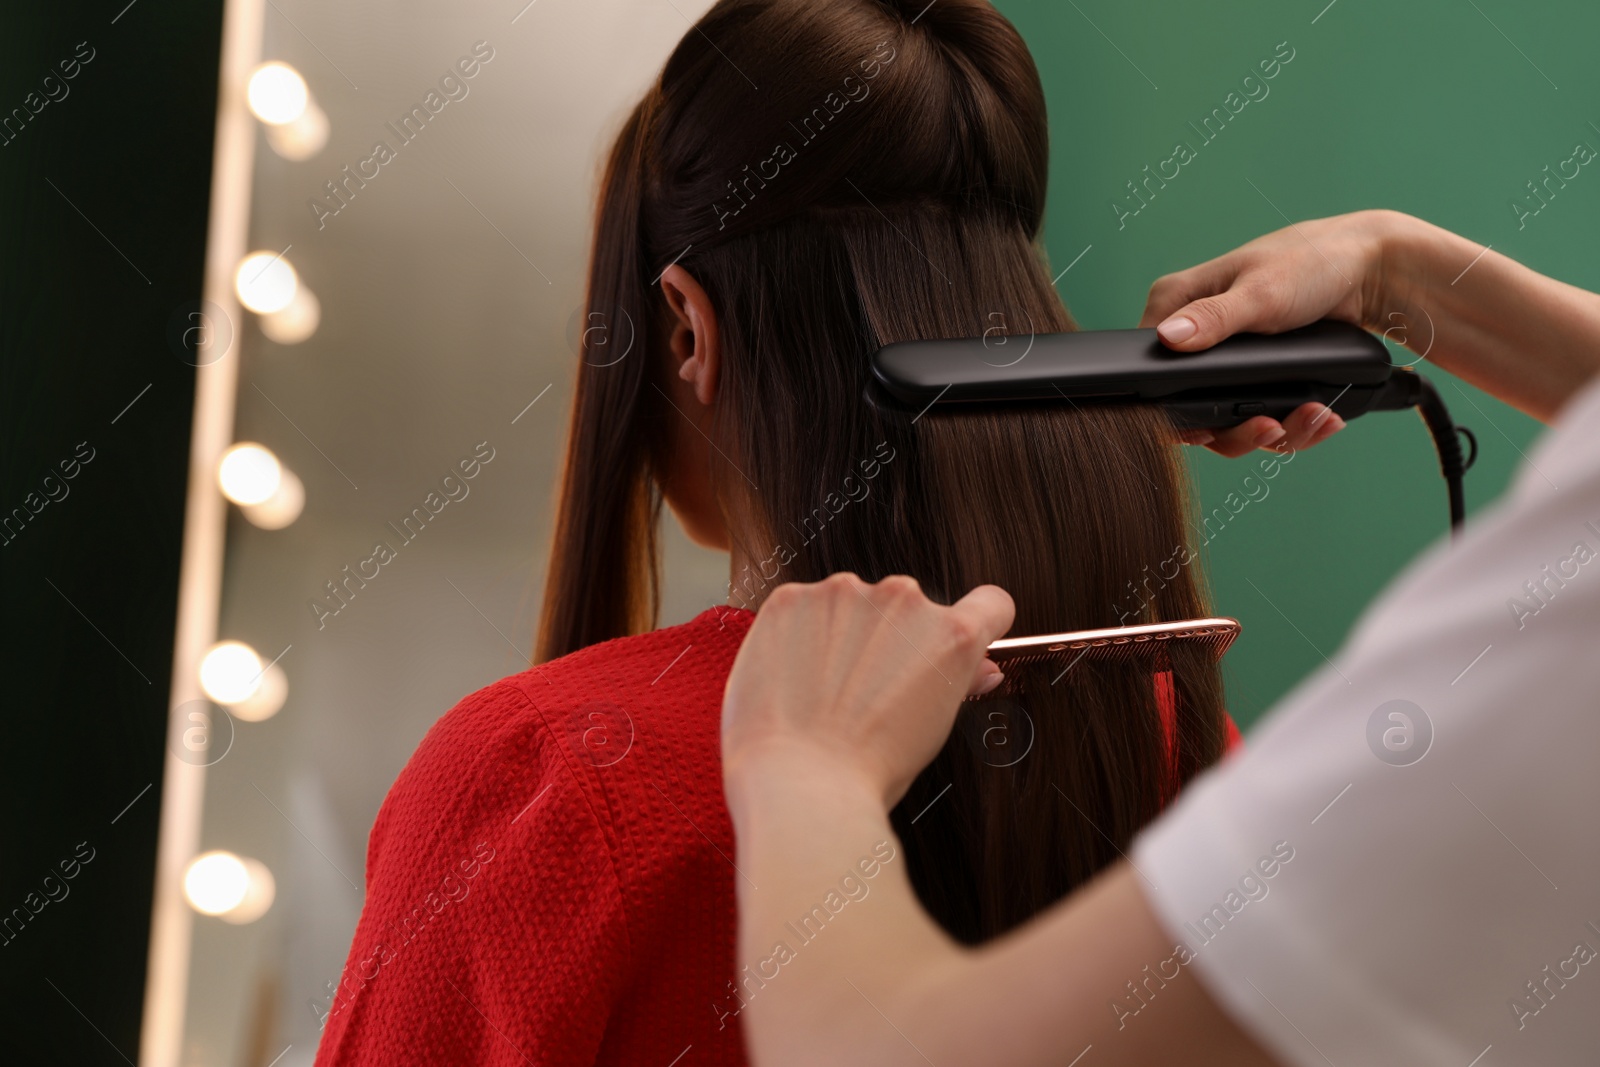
x=1403 y=866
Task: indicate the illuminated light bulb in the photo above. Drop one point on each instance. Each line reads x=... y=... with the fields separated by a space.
x=257 y=898
x=282 y=507
x=277 y=93
x=216 y=882
x=249 y=473
x=268 y=698
x=230 y=672
x=234 y=888
x=265 y=282
x=300 y=139
x=296 y=321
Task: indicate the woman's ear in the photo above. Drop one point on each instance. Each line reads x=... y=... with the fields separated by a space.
x=692 y=344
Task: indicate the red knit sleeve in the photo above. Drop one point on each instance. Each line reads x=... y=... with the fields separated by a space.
x=493 y=931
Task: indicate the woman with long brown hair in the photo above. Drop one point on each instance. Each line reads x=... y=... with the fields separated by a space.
x=551 y=879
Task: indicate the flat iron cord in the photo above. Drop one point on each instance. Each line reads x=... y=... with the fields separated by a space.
x=1413 y=390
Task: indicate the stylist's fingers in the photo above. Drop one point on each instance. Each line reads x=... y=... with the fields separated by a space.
x=989 y=609
x=1195 y=308
x=1173 y=291
x=1251 y=434
x=984 y=614
x=1203 y=322
x=1309 y=424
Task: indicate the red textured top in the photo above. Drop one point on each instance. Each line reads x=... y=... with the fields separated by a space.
x=550 y=880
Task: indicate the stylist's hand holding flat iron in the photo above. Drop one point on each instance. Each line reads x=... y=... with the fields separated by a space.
x=1509 y=330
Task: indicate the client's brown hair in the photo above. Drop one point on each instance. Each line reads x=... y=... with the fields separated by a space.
x=840 y=174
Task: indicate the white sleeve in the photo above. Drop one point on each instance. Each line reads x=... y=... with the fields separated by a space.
x=1403 y=866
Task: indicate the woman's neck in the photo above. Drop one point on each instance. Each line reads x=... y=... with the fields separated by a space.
x=750 y=579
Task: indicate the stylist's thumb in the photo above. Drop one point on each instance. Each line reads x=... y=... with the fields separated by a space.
x=1202 y=323
x=982 y=616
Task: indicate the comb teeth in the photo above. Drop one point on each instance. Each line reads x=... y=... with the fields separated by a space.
x=1148 y=642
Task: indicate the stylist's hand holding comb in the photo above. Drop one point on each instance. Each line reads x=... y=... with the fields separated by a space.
x=820 y=679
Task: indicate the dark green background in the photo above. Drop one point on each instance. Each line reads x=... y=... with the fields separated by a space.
x=1423 y=106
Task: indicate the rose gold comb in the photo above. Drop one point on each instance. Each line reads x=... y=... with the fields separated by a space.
x=1148 y=641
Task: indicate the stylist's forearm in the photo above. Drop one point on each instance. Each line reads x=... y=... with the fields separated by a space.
x=880 y=985
x=813 y=837
x=1528 y=339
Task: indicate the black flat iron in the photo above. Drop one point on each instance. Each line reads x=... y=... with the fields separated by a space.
x=1333 y=363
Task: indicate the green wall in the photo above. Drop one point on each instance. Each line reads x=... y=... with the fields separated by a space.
x=1424 y=106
